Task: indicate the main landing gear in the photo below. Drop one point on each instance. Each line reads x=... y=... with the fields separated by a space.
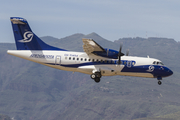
x=96 y=76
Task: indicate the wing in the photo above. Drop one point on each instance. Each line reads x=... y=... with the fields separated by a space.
x=91 y=47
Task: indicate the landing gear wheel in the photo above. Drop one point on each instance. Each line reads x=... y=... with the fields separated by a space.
x=96 y=76
x=159 y=82
x=93 y=76
x=97 y=79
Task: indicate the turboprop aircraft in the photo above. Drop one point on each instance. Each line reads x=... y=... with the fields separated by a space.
x=95 y=60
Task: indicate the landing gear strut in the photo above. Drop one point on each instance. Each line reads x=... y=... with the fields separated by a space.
x=96 y=76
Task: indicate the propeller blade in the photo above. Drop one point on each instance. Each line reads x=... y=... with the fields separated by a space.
x=119 y=60
x=120 y=54
x=127 y=52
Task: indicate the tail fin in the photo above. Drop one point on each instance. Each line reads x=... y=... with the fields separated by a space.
x=25 y=38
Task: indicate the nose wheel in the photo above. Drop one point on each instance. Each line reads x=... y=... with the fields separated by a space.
x=159 y=82
x=159 y=78
x=96 y=76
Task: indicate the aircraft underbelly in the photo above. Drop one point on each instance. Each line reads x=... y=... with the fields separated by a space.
x=148 y=75
x=105 y=71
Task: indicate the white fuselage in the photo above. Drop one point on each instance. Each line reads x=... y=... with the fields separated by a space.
x=88 y=64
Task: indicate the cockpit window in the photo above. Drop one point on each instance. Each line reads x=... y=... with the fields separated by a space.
x=161 y=63
x=157 y=63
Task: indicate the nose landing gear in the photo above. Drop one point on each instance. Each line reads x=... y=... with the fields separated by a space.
x=159 y=82
x=96 y=76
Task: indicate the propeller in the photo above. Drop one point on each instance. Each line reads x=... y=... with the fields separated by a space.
x=120 y=54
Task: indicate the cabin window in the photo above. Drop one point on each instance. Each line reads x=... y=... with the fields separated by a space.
x=105 y=61
x=101 y=61
x=81 y=59
x=93 y=60
x=69 y=58
x=97 y=60
x=77 y=58
x=66 y=58
x=89 y=60
x=73 y=58
x=85 y=59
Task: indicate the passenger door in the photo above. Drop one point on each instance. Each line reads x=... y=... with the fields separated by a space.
x=58 y=60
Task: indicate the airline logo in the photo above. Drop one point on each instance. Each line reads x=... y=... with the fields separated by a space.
x=28 y=36
x=151 y=69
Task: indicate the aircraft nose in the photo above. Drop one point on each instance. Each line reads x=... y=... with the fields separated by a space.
x=163 y=71
x=170 y=72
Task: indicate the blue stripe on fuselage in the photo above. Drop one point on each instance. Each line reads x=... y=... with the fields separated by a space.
x=155 y=70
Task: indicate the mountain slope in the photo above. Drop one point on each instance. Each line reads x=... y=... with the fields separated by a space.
x=4 y=117
x=32 y=91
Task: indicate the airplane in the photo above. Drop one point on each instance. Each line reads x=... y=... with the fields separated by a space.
x=95 y=60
